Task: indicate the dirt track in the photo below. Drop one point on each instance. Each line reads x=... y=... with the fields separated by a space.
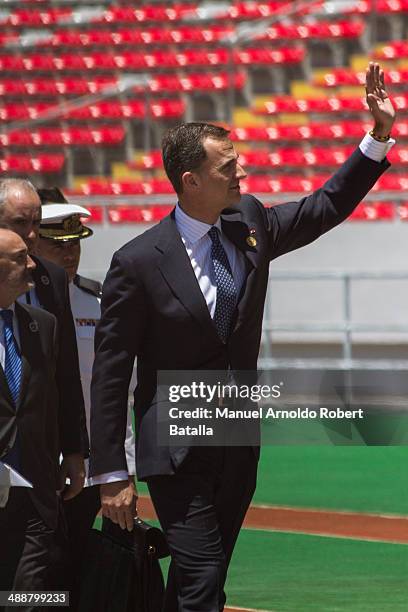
x=352 y=525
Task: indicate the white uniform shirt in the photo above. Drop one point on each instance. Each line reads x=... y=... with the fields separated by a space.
x=86 y=311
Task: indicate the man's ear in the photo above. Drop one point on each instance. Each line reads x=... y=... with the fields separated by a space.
x=189 y=181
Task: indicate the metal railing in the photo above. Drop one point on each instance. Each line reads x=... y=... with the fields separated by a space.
x=346 y=327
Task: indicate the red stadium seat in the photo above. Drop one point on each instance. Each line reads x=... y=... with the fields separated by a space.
x=374 y=211
x=16 y=139
x=14 y=112
x=97 y=214
x=288 y=104
x=50 y=16
x=270 y=56
x=319 y=30
x=131 y=60
x=12 y=87
x=394 y=50
x=392 y=6
x=167 y=109
x=344 y=76
x=281 y=184
x=41 y=163
x=392 y=182
x=287 y=157
x=11 y=63
x=137 y=214
x=120 y=14
x=150 y=161
x=403 y=211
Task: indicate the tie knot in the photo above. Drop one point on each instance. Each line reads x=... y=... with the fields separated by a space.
x=214 y=235
x=7 y=316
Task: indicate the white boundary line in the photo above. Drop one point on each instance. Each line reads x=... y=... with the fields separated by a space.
x=323 y=535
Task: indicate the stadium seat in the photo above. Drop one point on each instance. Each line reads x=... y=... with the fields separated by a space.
x=188 y=35
x=374 y=211
x=394 y=50
x=132 y=60
x=339 y=77
x=40 y=163
x=34 y=18
x=403 y=211
x=149 y=161
x=318 y=30
x=352 y=130
x=138 y=214
x=343 y=104
x=97 y=214
x=392 y=6
x=270 y=56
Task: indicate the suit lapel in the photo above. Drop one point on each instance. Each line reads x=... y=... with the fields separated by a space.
x=5 y=392
x=239 y=232
x=175 y=266
x=43 y=287
x=27 y=328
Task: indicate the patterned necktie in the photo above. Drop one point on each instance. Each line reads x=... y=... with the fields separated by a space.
x=12 y=366
x=226 y=290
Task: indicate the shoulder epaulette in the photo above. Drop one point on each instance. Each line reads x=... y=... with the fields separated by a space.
x=90 y=286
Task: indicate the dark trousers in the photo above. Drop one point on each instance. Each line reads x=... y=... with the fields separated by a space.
x=32 y=553
x=80 y=513
x=201 y=509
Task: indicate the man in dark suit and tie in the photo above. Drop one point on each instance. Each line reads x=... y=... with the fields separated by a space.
x=28 y=428
x=20 y=211
x=189 y=294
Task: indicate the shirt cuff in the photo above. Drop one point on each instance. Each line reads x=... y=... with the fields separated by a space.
x=375 y=150
x=108 y=477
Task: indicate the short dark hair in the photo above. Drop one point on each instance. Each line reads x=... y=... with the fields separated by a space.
x=183 y=150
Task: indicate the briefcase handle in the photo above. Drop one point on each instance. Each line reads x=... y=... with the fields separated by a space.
x=150 y=538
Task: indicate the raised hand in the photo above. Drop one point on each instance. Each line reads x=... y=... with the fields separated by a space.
x=378 y=101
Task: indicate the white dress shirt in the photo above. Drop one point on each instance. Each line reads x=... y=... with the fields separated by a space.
x=198 y=246
x=194 y=235
x=30 y=298
x=86 y=312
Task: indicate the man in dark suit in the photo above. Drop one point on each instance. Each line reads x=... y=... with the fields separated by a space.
x=20 y=211
x=189 y=294
x=28 y=427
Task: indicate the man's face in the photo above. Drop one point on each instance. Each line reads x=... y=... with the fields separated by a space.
x=15 y=266
x=21 y=213
x=64 y=254
x=220 y=174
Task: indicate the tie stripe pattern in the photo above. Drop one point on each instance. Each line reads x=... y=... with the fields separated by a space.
x=12 y=367
x=226 y=289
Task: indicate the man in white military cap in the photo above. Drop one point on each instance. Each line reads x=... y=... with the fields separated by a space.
x=61 y=231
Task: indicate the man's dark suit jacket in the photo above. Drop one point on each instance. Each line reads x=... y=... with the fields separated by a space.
x=36 y=417
x=51 y=285
x=152 y=308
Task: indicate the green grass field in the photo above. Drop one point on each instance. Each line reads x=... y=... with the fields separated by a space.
x=303 y=573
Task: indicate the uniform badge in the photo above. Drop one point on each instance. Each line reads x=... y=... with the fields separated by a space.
x=251 y=240
x=45 y=280
x=33 y=326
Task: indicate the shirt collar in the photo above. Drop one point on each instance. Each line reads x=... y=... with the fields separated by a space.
x=11 y=307
x=191 y=229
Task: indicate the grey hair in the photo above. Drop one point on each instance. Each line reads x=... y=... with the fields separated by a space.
x=7 y=184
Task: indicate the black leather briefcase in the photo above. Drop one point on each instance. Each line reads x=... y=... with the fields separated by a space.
x=122 y=571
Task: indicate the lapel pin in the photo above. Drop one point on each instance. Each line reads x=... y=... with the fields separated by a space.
x=45 y=280
x=33 y=326
x=251 y=240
